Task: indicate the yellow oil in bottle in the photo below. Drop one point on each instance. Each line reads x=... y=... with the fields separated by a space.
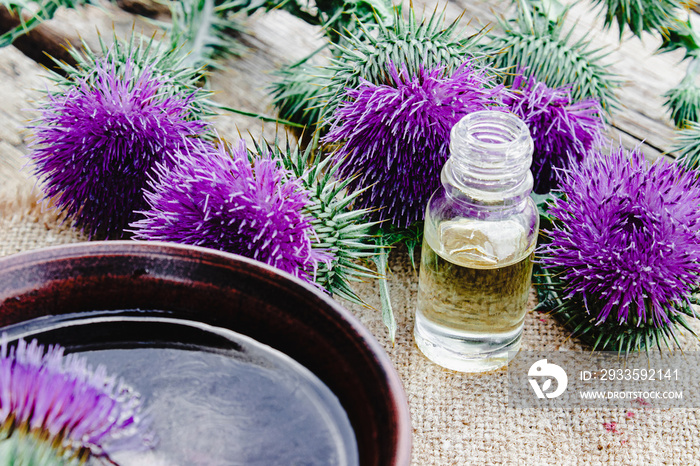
x=475 y=277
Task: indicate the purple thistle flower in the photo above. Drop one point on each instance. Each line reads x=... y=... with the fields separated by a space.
x=216 y=197
x=395 y=136
x=627 y=237
x=561 y=131
x=61 y=400
x=97 y=141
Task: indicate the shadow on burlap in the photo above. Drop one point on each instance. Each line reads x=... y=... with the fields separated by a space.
x=457 y=418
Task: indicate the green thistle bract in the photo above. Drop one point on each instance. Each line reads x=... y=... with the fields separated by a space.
x=19 y=449
x=41 y=11
x=409 y=43
x=640 y=15
x=140 y=54
x=201 y=31
x=682 y=35
x=334 y=16
x=341 y=231
x=309 y=95
x=687 y=146
x=684 y=103
x=299 y=93
x=539 y=46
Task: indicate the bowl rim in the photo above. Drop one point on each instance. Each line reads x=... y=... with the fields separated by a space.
x=129 y=248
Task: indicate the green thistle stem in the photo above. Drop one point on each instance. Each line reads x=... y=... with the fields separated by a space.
x=259 y=116
x=381 y=260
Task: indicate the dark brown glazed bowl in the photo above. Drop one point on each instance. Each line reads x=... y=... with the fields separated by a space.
x=227 y=291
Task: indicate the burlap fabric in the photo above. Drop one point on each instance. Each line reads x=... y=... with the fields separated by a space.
x=457 y=418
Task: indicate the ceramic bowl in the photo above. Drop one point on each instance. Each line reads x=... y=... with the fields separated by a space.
x=228 y=291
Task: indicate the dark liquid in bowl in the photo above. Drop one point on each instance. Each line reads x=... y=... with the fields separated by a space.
x=215 y=397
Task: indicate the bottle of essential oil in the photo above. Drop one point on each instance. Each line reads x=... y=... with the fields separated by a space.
x=479 y=240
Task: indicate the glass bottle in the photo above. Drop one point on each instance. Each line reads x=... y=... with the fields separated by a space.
x=479 y=240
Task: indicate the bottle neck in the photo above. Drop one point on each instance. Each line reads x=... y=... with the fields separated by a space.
x=489 y=164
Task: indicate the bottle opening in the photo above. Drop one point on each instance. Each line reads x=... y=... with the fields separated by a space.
x=487 y=134
x=490 y=158
x=488 y=130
